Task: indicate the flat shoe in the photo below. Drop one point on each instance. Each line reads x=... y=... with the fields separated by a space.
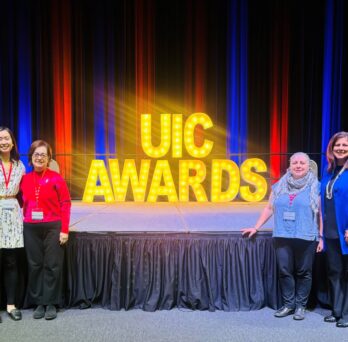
x=342 y=324
x=283 y=312
x=51 y=312
x=299 y=314
x=330 y=319
x=39 y=312
x=84 y=306
x=15 y=314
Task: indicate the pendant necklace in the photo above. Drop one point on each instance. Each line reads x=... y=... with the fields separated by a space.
x=330 y=185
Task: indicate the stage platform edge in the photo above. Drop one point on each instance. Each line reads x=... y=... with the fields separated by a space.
x=165 y=217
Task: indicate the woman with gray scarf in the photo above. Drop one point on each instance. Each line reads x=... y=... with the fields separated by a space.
x=297 y=233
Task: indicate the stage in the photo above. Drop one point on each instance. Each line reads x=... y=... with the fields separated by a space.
x=165 y=217
x=163 y=256
x=160 y=256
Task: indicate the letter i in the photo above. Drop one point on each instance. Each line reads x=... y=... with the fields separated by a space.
x=177 y=136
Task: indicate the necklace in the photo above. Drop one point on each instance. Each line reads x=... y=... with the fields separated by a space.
x=330 y=185
x=37 y=186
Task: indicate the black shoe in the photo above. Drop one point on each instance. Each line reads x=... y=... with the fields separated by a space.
x=51 y=312
x=15 y=314
x=299 y=313
x=342 y=323
x=84 y=306
x=330 y=319
x=39 y=312
x=0 y=319
x=283 y=312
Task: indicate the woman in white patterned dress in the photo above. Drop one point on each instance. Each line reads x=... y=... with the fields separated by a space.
x=11 y=223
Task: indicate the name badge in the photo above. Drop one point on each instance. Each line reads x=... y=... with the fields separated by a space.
x=37 y=214
x=8 y=204
x=289 y=216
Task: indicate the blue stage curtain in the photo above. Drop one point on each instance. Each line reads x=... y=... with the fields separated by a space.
x=332 y=73
x=237 y=80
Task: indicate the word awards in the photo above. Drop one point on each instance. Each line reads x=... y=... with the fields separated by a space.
x=192 y=173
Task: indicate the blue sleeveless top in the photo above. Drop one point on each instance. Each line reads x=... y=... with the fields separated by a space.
x=295 y=219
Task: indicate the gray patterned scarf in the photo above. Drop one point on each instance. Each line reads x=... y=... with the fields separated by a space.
x=289 y=185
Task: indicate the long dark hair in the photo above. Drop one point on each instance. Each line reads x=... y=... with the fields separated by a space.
x=14 y=155
x=329 y=151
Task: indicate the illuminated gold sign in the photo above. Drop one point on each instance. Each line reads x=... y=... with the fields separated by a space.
x=192 y=172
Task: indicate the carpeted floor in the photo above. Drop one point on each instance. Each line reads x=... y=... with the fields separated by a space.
x=98 y=324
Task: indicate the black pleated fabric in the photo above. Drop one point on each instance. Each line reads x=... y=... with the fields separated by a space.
x=160 y=271
x=157 y=271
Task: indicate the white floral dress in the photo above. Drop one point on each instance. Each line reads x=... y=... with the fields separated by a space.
x=11 y=222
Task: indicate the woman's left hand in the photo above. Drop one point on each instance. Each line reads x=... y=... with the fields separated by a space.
x=320 y=246
x=63 y=238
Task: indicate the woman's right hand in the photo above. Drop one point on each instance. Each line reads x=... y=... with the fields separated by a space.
x=249 y=232
x=320 y=246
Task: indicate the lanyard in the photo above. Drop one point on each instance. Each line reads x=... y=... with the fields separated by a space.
x=7 y=177
x=38 y=187
x=291 y=198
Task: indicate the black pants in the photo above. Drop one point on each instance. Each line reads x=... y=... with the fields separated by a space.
x=45 y=262
x=337 y=264
x=9 y=263
x=295 y=260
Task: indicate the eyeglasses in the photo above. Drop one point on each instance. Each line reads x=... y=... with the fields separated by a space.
x=40 y=155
